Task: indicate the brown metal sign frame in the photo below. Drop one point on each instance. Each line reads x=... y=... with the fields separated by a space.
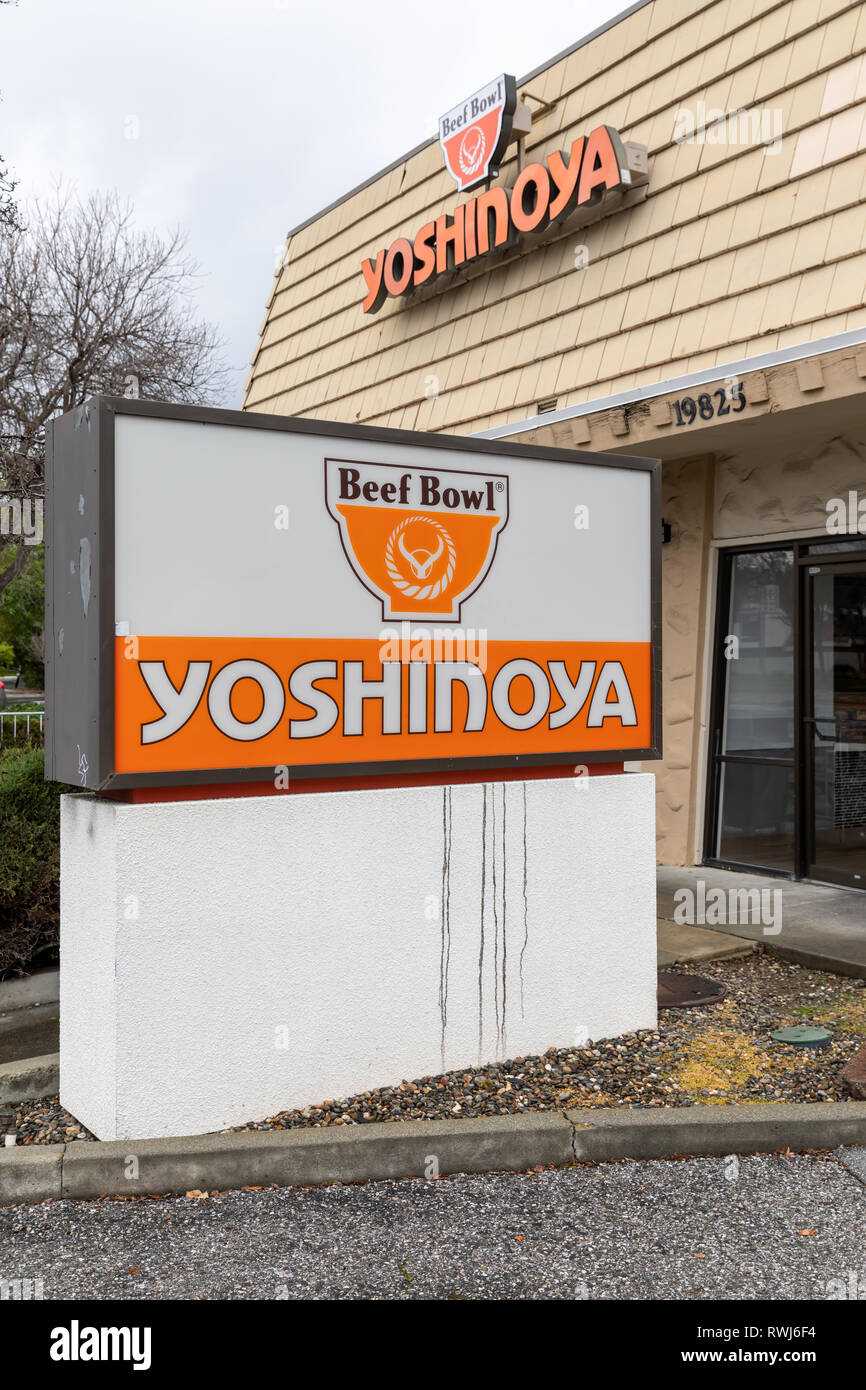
x=80 y=595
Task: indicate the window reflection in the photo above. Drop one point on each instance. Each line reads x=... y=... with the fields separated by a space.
x=759 y=695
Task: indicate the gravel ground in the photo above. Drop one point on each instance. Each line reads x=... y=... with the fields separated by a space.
x=718 y=1054
x=776 y=1227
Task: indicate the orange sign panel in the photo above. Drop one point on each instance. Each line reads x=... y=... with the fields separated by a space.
x=193 y=702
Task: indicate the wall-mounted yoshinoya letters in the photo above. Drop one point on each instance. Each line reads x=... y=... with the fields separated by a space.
x=546 y=191
x=230 y=594
x=543 y=195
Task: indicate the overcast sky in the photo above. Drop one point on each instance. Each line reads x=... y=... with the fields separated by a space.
x=238 y=120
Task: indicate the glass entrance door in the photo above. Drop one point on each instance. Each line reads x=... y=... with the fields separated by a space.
x=835 y=724
x=753 y=770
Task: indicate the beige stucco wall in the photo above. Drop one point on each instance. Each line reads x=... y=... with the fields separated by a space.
x=687 y=503
x=729 y=251
x=764 y=493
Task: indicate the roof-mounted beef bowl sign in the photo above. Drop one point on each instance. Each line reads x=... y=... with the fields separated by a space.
x=238 y=597
x=475 y=134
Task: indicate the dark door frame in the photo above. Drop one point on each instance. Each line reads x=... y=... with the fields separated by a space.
x=815 y=553
x=833 y=565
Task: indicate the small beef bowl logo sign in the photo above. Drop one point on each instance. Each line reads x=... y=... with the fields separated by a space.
x=422 y=542
x=475 y=134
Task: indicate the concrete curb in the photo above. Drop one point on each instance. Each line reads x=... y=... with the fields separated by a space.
x=418 y=1148
x=41 y=988
x=31 y=1175
x=30 y=1078
x=816 y=960
x=716 y=1129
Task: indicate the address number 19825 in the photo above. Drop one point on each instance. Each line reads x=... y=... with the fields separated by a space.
x=727 y=400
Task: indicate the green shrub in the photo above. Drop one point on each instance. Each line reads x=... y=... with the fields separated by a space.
x=17 y=732
x=21 y=617
x=7 y=657
x=29 y=862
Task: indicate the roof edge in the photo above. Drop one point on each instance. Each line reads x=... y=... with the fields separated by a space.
x=852 y=337
x=410 y=154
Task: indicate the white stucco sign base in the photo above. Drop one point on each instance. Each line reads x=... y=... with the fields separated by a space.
x=223 y=960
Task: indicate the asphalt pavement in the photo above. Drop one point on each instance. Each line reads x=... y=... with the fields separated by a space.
x=775 y=1227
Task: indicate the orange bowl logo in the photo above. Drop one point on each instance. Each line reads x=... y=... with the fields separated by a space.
x=422 y=542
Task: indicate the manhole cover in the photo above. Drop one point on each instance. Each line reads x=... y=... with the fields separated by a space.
x=802 y=1036
x=687 y=991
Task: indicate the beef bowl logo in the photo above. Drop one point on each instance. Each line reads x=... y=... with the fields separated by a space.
x=474 y=135
x=421 y=541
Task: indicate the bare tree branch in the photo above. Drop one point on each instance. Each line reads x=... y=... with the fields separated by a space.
x=10 y=219
x=89 y=304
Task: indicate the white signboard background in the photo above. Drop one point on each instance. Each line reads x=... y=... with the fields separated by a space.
x=197 y=551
